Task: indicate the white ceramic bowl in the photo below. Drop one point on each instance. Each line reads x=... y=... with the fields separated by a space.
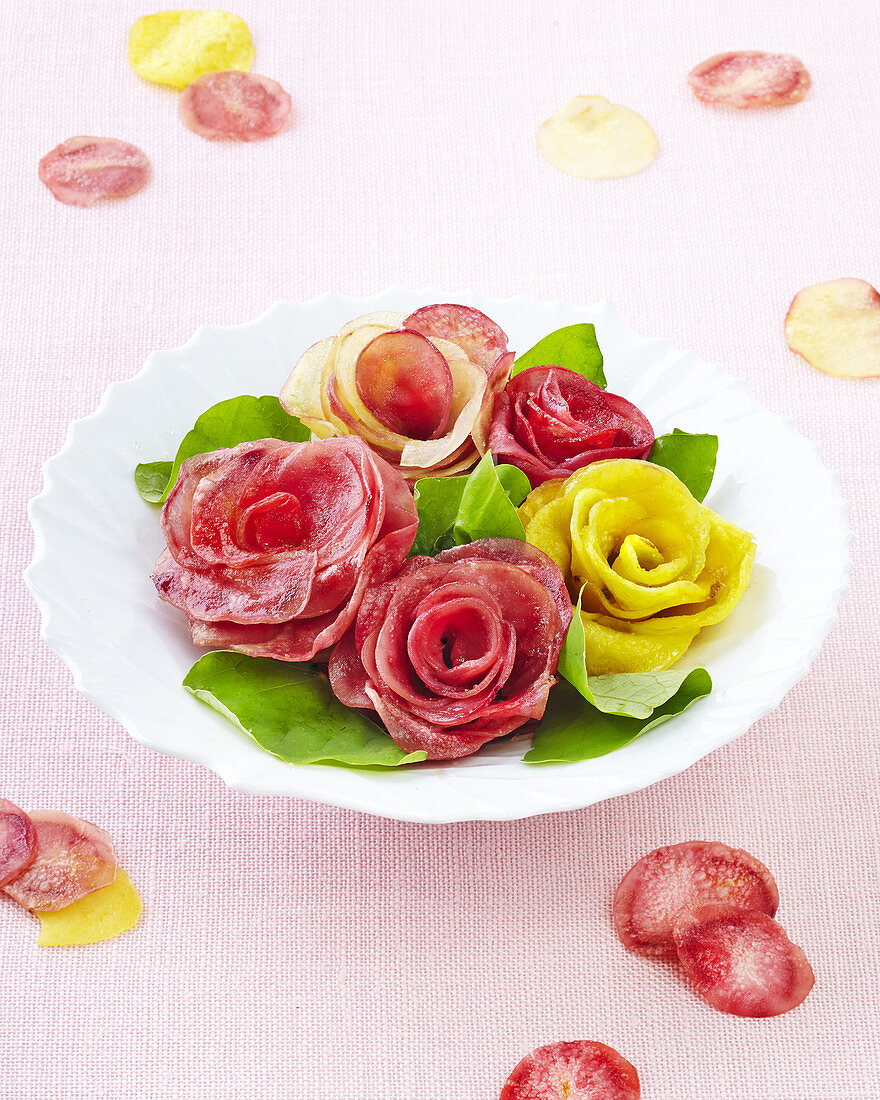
x=96 y=542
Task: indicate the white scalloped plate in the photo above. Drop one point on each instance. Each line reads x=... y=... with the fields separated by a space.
x=96 y=542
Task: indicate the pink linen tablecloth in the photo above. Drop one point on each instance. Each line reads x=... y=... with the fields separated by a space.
x=290 y=950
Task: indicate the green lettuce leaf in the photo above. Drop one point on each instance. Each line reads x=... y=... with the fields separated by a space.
x=690 y=457
x=226 y=424
x=574 y=347
x=628 y=694
x=481 y=504
x=290 y=711
x=572 y=729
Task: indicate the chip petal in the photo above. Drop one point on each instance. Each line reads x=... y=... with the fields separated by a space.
x=83 y=170
x=101 y=915
x=680 y=877
x=835 y=326
x=596 y=139
x=741 y=961
x=236 y=105
x=750 y=78
x=176 y=47
x=72 y=858
x=17 y=841
x=580 y=1070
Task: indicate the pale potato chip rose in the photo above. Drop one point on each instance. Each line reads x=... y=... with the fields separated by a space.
x=420 y=399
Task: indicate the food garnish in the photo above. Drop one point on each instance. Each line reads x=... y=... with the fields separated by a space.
x=417 y=399
x=581 y=1070
x=741 y=961
x=750 y=78
x=176 y=47
x=835 y=326
x=680 y=877
x=596 y=139
x=652 y=565
x=233 y=104
x=83 y=170
x=271 y=545
x=456 y=650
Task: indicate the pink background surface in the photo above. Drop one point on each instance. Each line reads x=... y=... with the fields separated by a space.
x=295 y=950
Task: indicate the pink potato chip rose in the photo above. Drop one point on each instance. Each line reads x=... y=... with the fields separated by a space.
x=236 y=105
x=83 y=170
x=551 y=421
x=456 y=650
x=271 y=545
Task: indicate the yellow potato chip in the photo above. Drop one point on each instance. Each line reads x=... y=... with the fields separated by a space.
x=593 y=138
x=98 y=916
x=176 y=47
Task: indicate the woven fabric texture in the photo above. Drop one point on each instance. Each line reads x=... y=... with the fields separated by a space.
x=290 y=950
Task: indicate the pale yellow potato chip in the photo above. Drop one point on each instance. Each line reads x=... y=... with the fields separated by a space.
x=101 y=915
x=835 y=326
x=596 y=139
x=176 y=47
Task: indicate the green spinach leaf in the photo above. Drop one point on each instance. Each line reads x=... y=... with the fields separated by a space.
x=290 y=711
x=574 y=347
x=226 y=424
x=690 y=457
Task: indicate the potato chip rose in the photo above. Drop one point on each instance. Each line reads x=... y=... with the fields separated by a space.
x=271 y=545
x=417 y=389
x=655 y=566
x=457 y=650
x=550 y=421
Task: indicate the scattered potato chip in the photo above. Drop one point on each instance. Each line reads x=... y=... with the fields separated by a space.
x=83 y=170
x=242 y=106
x=177 y=47
x=599 y=140
x=99 y=916
x=750 y=78
x=835 y=326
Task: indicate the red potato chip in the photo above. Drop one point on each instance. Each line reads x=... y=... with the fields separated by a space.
x=581 y=1070
x=232 y=104
x=835 y=326
x=680 y=877
x=72 y=858
x=83 y=170
x=750 y=78
x=17 y=841
x=478 y=336
x=406 y=384
x=742 y=962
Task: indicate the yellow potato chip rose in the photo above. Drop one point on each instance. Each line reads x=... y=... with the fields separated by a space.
x=655 y=566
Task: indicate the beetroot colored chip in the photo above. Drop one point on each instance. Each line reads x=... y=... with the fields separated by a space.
x=580 y=1070
x=476 y=334
x=72 y=858
x=406 y=384
x=750 y=78
x=232 y=104
x=83 y=170
x=681 y=877
x=741 y=961
x=17 y=841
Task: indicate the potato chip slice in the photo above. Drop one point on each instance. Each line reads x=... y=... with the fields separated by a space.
x=236 y=105
x=596 y=139
x=750 y=78
x=177 y=47
x=100 y=916
x=83 y=170
x=835 y=326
